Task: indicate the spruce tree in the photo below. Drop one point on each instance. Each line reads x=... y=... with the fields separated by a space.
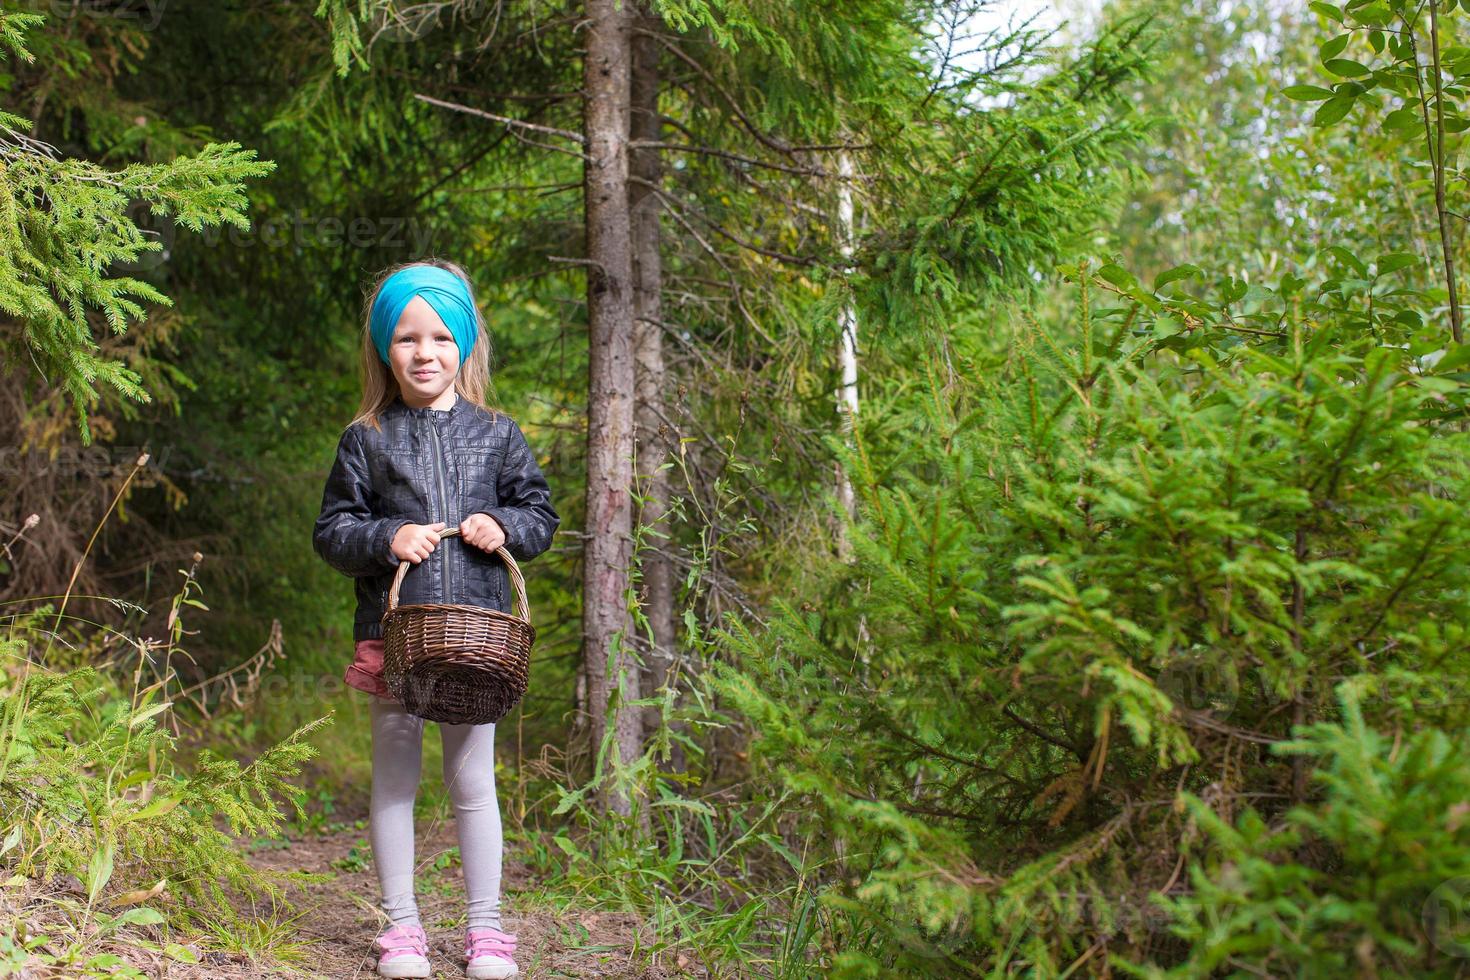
x=67 y=233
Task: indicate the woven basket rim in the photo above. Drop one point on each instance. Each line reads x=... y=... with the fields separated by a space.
x=518 y=584
x=422 y=607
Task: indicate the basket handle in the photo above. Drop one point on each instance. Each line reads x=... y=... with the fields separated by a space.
x=523 y=606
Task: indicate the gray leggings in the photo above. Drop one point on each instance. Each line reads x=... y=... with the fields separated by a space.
x=469 y=775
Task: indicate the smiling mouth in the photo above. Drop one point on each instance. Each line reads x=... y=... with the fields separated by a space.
x=424 y=374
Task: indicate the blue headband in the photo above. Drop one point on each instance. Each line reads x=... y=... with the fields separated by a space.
x=446 y=292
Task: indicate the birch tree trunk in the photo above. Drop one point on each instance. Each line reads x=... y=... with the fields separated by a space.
x=847 y=353
x=657 y=598
x=606 y=632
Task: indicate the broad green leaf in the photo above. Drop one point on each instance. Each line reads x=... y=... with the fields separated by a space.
x=569 y=799
x=141 y=915
x=1333 y=110
x=1232 y=289
x=1346 y=68
x=1117 y=275
x=1394 y=261
x=1374 y=14
x=1347 y=258
x=565 y=843
x=1307 y=93
x=1334 y=47
x=1327 y=10
x=1402 y=121
x=1167 y=326
x=181 y=953
x=1185 y=271
x=155 y=808
x=143 y=716
x=136 y=779
x=99 y=870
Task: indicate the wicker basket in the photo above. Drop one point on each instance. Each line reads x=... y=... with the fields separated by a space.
x=456 y=664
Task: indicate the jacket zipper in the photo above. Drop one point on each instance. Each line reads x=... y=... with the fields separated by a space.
x=440 y=479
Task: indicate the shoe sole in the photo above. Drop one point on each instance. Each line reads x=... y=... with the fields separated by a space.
x=397 y=969
x=493 y=972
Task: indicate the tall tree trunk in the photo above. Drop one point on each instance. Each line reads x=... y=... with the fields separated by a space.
x=657 y=598
x=847 y=358
x=606 y=632
x=847 y=351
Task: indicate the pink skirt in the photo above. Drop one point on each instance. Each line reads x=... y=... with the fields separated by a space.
x=366 y=670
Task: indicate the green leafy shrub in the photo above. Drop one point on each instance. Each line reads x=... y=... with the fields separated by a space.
x=1382 y=893
x=1098 y=571
x=92 y=788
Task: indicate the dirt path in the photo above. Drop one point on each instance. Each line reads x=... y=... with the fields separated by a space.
x=332 y=937
x=340 y=917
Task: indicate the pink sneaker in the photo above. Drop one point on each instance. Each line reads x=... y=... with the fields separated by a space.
x=487 y=954
x=405 y=952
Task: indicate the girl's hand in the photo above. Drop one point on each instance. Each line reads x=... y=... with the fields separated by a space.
x=415 y=542
x=482 y=531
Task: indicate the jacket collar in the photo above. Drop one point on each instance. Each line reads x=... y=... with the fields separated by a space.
x=461 y=405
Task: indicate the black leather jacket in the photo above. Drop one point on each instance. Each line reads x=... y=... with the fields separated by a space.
x=428 y=465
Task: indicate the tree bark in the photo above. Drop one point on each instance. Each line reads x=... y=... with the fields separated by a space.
x=847 y=357
x=606 y=632
x=657 y=594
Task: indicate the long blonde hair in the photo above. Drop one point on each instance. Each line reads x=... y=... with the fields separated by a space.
x=380 y=388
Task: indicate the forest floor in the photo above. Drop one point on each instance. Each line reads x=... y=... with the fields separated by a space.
x=341 y=918
x=333 y=935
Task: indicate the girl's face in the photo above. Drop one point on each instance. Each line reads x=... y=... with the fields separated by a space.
x=424 y=357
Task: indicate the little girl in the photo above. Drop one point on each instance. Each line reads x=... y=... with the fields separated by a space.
x=425 y=454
